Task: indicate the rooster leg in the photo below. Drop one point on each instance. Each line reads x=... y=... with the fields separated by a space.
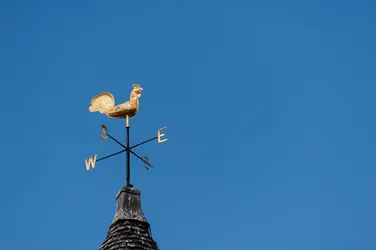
x=127 y=121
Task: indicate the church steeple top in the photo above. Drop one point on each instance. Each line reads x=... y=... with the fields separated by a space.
x=129 y=228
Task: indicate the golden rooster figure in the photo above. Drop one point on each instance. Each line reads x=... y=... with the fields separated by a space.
x=105 y=104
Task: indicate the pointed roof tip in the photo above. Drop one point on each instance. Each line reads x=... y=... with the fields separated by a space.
x=129 y=228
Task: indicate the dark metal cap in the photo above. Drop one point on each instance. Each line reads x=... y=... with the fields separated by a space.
x=128 y=205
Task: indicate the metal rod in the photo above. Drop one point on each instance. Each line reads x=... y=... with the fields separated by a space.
x=122 y=151
x=144 y=142
x=140 y=158
x=112 y=155
x=117 y=141
x=128 y=155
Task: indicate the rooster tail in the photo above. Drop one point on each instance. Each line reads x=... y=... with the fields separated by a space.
x=103 y=103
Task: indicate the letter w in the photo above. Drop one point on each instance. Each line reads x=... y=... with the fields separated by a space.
x=90 y=162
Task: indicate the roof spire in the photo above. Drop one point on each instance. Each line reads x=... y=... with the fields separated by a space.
x=129 y=228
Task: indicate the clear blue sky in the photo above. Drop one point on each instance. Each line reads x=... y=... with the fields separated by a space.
x=270 y=107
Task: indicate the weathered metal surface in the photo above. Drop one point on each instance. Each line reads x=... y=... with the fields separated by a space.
x=129 y=228
x=128 y=205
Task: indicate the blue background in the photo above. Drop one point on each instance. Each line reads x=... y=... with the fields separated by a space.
x=270 y=114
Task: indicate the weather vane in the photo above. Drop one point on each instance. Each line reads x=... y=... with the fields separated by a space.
x=105 y=104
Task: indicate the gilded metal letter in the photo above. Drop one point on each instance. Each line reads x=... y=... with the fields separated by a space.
x=90 y=162
x=160 y=135
x=104 y=130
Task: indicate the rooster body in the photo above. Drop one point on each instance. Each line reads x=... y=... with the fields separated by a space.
x=105 y=104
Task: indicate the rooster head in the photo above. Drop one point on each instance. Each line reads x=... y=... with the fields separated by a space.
x=137 y=90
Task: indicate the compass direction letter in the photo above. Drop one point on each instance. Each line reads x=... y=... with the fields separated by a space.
x=160 y=135
x=91 y=162
x=104 y=130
